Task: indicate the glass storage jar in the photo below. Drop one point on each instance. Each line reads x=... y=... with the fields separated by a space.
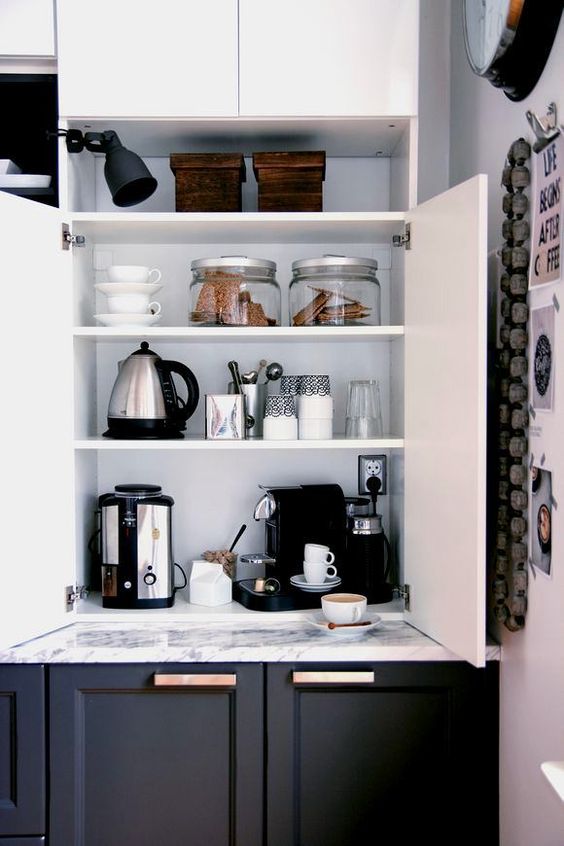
x=335 y=291
x=234 y=291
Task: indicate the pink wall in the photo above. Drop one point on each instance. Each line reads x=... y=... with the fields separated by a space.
x=483 y=124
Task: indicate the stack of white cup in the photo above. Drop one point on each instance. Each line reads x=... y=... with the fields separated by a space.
x=129 y=292
x=315 y=408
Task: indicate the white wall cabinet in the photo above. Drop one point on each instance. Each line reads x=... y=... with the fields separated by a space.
x=429 y=353
x=190 y=469
x=126 y=59
x=328 y=57
x=27 y=28
x=184 y=58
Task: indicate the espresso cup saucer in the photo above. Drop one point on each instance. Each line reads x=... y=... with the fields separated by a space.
x=320 y=622
x=330 y=582
x=124 y=321
x=115 y=289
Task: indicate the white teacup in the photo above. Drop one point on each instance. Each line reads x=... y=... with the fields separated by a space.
x=132 y=273
x=316 y=553
x=343 y=607
x=315 y=574
x=133 y=304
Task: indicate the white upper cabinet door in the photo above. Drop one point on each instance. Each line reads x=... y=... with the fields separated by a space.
x=27 y=28
x=445 y=418
x=37 y=559
x=328 y=57
x=123 y=58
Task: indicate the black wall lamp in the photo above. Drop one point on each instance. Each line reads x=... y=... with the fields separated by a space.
x=128 y=177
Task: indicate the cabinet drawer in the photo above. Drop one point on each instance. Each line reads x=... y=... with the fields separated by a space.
x=22 y=751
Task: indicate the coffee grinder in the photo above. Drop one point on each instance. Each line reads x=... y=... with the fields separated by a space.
x=368 y=550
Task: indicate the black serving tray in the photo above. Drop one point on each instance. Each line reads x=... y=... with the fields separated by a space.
x=287 y=599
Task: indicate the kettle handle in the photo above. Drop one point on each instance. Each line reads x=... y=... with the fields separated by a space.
x=165 y=368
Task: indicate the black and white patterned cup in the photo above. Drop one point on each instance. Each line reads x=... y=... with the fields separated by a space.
x=290 y=385
x=314 y=384
x=280 y=405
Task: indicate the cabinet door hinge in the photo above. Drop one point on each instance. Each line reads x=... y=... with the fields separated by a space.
x=403 y=240
x=73 y=593
x=403 y=592
x=69 y=240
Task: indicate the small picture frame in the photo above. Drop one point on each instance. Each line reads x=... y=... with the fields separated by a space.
x=225 y=417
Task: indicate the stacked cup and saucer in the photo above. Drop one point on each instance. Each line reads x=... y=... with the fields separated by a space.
x=129 y=292
x=320 y=574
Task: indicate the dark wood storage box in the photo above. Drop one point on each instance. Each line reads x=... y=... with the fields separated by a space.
x=208 y=182
x=290 y=181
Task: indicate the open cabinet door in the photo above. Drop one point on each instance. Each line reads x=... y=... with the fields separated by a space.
x=36 y=558
x=445 y=418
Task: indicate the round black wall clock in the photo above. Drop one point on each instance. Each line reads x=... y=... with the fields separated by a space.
x=509 y=41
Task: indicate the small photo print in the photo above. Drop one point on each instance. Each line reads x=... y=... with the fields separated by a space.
x=542 y=358
x=541 y=519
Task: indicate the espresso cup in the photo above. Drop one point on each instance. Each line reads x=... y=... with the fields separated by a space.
x=132 y=273
x=316 y=553
x=133 y=304
x=315 y=574
x=343 y=607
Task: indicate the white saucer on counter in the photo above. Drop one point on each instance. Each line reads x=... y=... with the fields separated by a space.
x=320 y=622
x=124 y=321
x=117 y=288
x=299 y=581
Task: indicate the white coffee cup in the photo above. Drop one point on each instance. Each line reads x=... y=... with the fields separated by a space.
x=316 y=553
x=310 y=429
x=315 y=574
x=133 y=304
x=343 y=607
x=280 y=429
x=132 y=273
x=316 y=406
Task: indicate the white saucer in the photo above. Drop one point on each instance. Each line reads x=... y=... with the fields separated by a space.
x=299 y=581
x=318 y=620
x=123 y=321
x=117 y=288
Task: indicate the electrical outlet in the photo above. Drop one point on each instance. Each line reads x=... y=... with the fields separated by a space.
x=371 y=465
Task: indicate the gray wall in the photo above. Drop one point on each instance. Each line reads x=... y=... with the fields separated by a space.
x=483 y=125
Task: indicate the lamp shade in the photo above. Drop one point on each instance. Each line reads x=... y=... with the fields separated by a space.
x=129 y=179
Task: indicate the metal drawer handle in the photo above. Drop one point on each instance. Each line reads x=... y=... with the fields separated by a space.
x=195 y=680
x=333 y=677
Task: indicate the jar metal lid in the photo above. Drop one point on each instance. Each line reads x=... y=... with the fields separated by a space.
x=327 y=261
x=233 y=261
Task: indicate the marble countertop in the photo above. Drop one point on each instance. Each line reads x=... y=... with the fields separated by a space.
x=243 y=641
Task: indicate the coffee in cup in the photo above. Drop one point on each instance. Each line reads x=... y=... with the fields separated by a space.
x=343 y=607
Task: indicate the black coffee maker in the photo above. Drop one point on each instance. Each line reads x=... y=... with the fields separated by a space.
x=295 y=516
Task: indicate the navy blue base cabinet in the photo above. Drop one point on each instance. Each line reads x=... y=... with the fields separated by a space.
x=150 y=755
x=385 y=753
x=249 y=754
x=22 y=755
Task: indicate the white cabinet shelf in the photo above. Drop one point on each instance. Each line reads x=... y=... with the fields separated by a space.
x=239 y=227
x=192 y=442
x=250 y=334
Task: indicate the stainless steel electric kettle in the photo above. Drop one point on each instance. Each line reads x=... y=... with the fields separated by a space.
x=144 y=402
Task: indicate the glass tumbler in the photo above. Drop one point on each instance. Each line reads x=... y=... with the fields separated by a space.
x=364 y=410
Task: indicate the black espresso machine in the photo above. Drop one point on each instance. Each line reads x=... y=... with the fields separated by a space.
x=294 y=516
x=300 y=514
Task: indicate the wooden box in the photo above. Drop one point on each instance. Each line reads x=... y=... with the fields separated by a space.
x=290 y=181
x=208 y=182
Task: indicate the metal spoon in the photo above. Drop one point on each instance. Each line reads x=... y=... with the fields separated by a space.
x=274 y=371
x=250 y=378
